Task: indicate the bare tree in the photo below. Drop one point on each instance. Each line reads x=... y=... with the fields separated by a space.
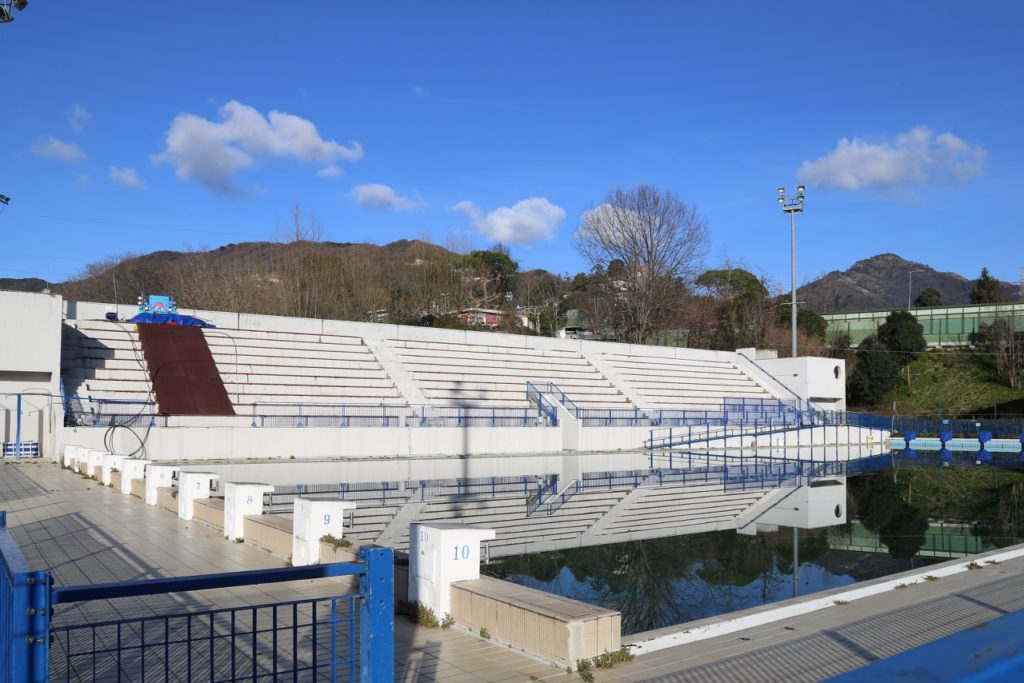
x=1006 y=345
x=659 y=239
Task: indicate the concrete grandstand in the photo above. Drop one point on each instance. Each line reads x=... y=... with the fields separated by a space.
x=545 y=440
x=358 y=432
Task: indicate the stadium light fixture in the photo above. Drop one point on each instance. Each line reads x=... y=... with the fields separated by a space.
x=6 y=16
x=792 y=208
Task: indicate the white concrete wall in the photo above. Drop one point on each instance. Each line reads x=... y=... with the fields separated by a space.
x=285 y=472
x=239 y=443
x=815 y=379
x=30 y=365
x=31 y=338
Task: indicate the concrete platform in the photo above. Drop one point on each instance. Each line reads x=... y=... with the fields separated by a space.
x=84 y=532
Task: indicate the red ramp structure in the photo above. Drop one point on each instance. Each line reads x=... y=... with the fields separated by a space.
x=184 y=375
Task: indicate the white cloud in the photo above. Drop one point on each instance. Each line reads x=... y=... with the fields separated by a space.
x=332 y=171
x=58 y=150
x=212 y=151
x=527 y=221
x=78 y=116
x=917 y=157
x=377 y=196
x=127 y=177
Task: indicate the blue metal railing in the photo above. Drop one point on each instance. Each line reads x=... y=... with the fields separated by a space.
x=248 y=643
x=535 y=394
x=332 y=638
x=21 y=449
x=968 y=426
x=312 y=639
x=480 y=416
x=738 y=409
x=398 y=492
x=110 y=412
x=534 y=502
x=23 y=615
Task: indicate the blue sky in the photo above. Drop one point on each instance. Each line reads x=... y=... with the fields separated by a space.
x=134 y=126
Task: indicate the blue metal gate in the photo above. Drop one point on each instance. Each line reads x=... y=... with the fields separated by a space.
x=334 y=638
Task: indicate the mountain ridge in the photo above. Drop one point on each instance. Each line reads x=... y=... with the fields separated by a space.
x=881 y=282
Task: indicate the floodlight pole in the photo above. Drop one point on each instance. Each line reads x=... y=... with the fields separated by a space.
x=910 y=284
x=792 y=207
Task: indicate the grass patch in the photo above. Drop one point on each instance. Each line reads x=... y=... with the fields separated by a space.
x=421 y=615
x=931 y=577
x=335 y=542
x=607 y=659
x=973 y=565
x=484 y=633
x=840 y=602
x=965 y=382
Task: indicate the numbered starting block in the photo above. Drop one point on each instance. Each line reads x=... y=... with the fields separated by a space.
x=241 y=499
x=193 y=486
x=314 y=519
x=439 y=555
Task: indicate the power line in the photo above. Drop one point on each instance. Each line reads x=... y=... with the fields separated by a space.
x=93 y=221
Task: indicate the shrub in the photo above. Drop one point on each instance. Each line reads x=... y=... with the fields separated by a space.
x=425 y=616
x=335 y=542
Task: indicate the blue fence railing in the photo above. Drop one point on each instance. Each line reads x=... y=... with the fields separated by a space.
x=733 y=410
x=538 y=499
x=108 y=413
x=399 y=492
x=250 y=643
x=23 y=615
x=340 y=637
x=21 y=449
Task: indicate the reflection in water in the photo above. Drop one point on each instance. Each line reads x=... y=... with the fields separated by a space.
x=667 y=581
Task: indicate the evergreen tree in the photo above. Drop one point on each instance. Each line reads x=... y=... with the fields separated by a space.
x=876 y=372
x=902 y=333
x=928 y=298
x=882 y=356
x=987 y=290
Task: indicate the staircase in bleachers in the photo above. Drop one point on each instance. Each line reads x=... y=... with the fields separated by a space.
x=101 y=359
x=496 y=375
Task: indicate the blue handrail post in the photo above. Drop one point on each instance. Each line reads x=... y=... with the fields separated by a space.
x=377 y=616
x=17 y=437
x=24 y=615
